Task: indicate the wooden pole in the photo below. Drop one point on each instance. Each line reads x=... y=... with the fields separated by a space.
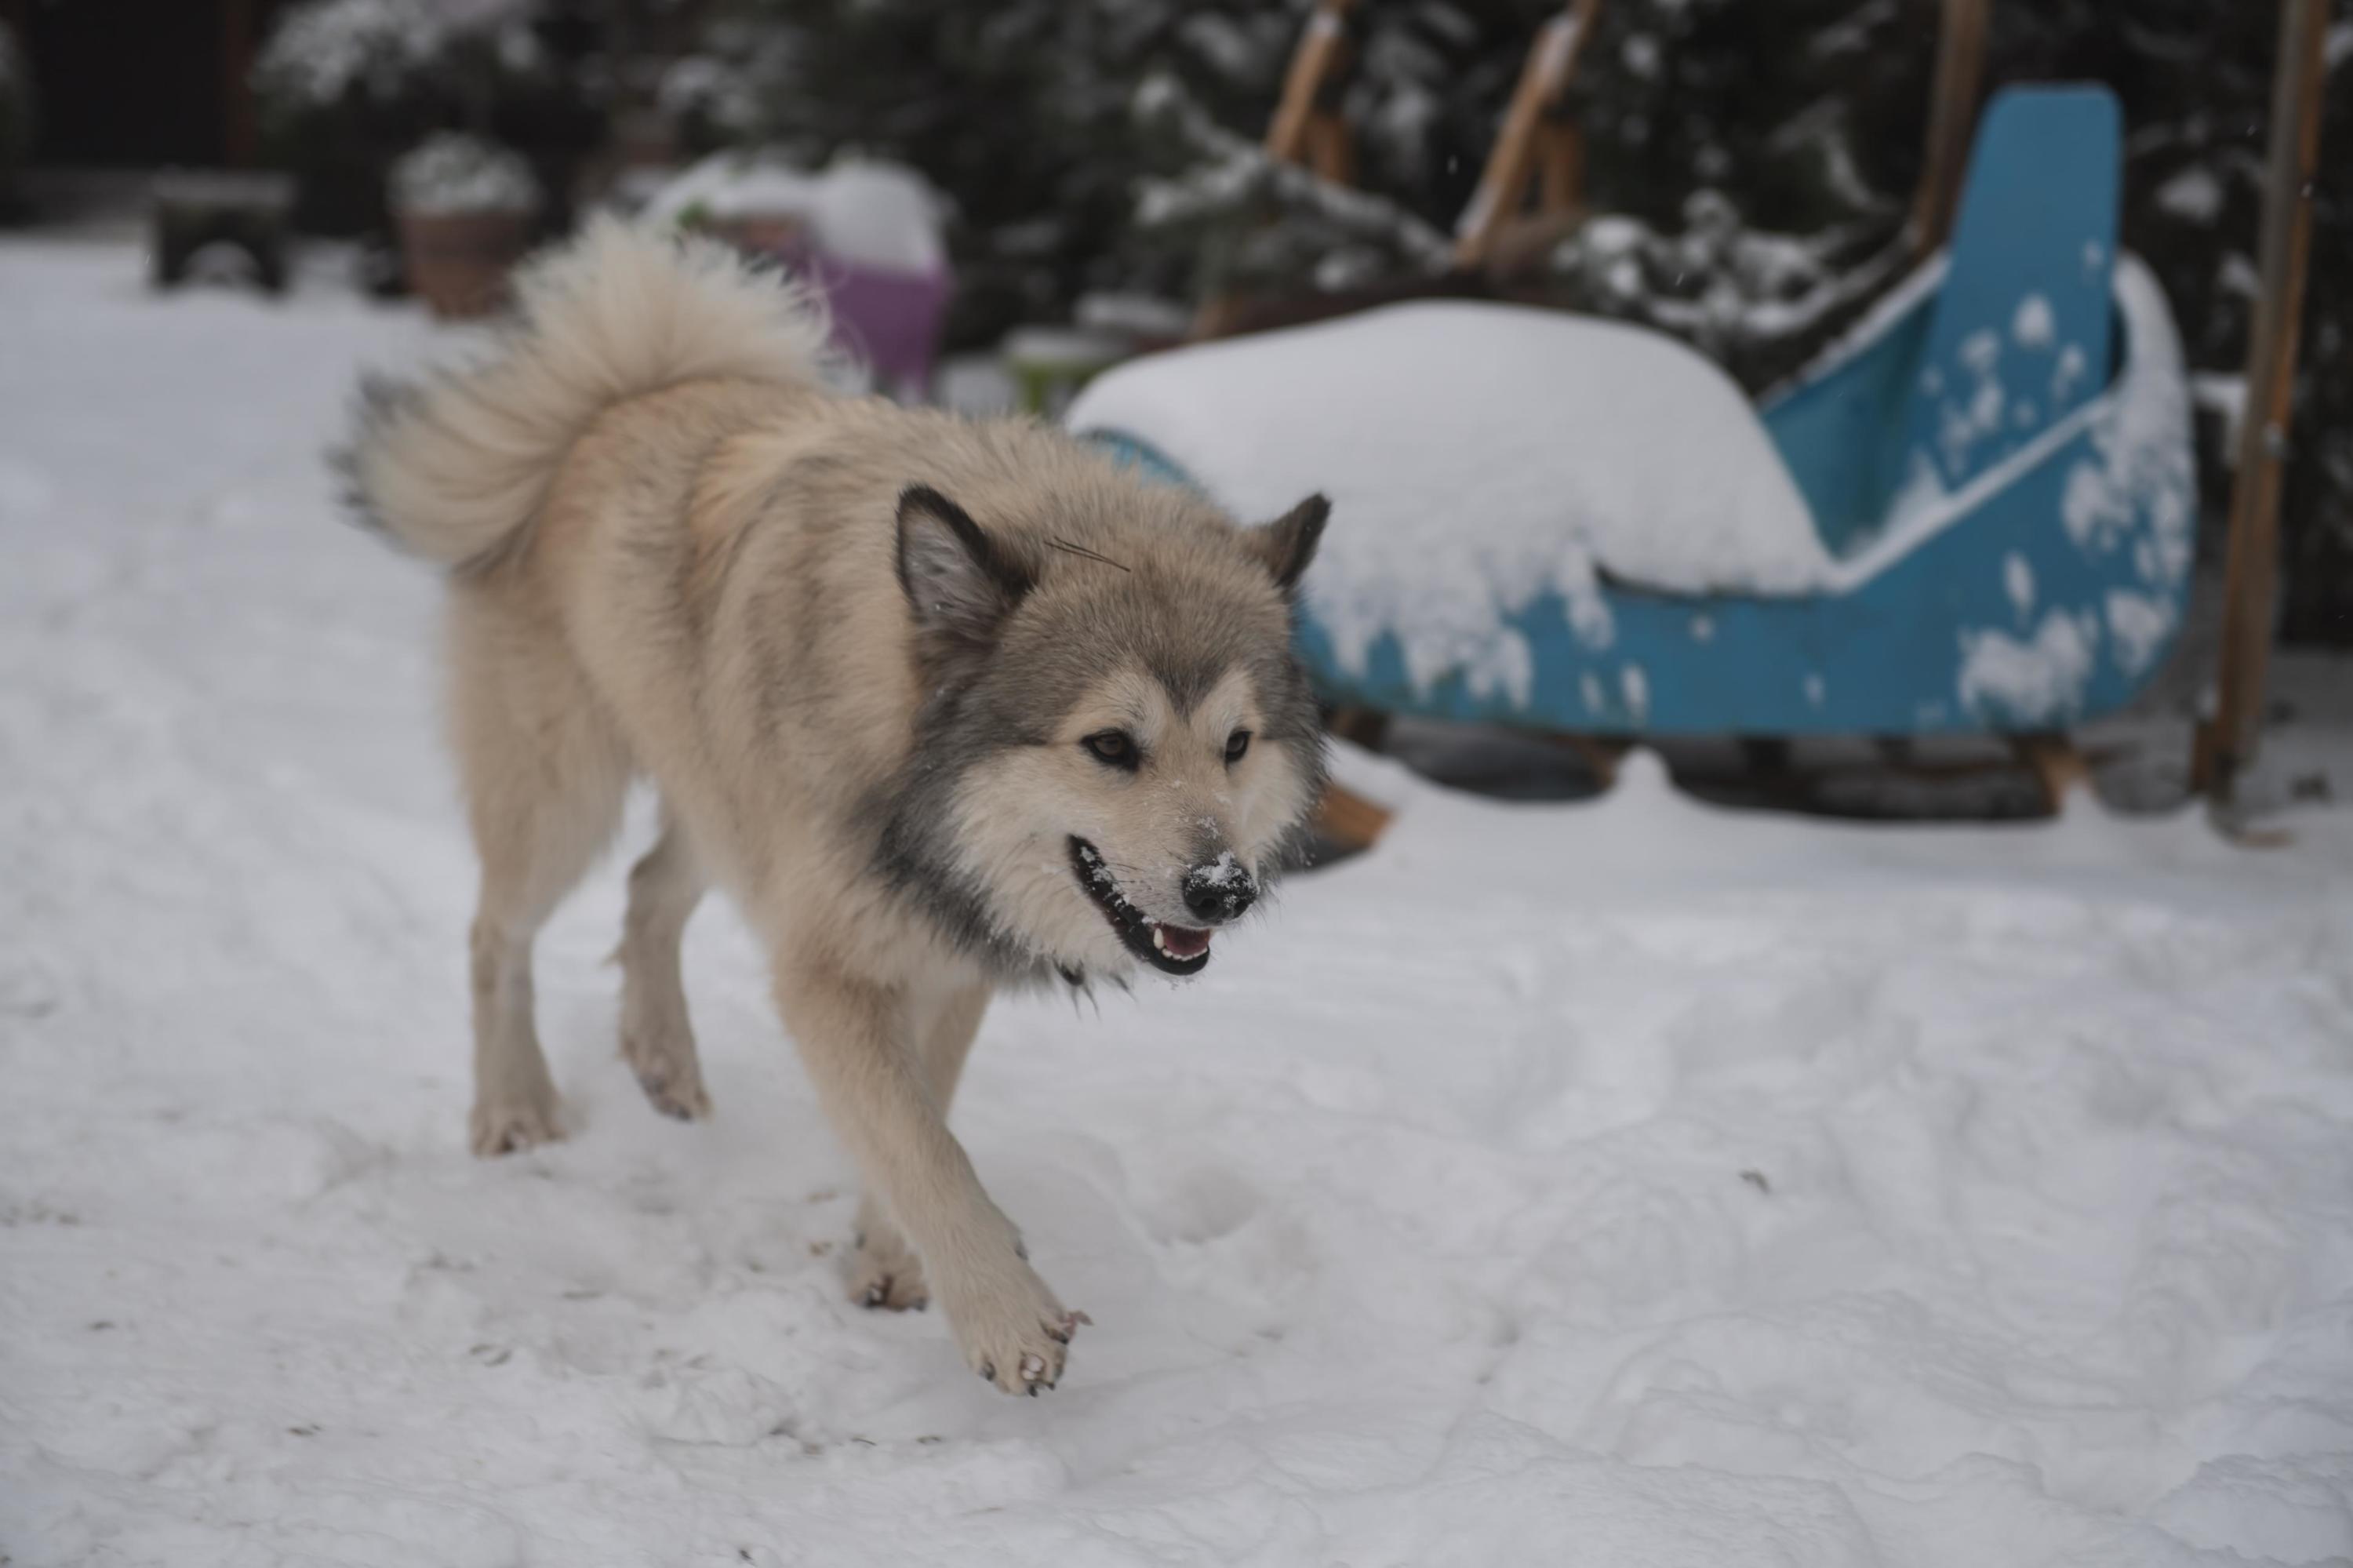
x=1561 y=167
x=1504 y=183
x=2227 y=742
x=1312 y=63
x=1304 y=131
x=1952 y=115
x=1331 y=150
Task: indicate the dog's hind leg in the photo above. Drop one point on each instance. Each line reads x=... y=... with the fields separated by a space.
x=657 y=1040
x=885 y=1271
x=544 y=777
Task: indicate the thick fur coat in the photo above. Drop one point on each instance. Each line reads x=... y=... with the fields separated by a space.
x=944 y=706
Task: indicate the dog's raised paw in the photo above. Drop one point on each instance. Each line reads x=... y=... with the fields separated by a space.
x=886 y=1275
x=680 y=1101
x=1022 y=1347
x=670 y=1075
x=497 y=1129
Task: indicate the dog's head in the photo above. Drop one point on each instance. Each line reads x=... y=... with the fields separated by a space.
x=1118 y=743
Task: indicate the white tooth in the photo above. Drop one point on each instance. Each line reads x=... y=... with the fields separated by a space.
x=1159 y=939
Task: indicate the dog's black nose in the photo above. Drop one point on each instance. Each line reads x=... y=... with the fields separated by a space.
x=1220 y=891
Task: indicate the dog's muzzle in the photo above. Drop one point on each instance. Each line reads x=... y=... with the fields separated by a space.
x=1171 y=950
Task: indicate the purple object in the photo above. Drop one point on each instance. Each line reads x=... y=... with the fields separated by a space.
x=889 y=318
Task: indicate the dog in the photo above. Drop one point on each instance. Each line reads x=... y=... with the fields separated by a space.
x=948 y=706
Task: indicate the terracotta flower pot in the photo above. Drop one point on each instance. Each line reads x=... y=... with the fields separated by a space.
x=458 y=262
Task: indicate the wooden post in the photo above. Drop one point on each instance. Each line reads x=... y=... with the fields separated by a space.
x=1331 y=150
x=2057 y=768
x=1504 y=184
x=1952 y=116
x=1561 y=167
x=2227 y=742
x=1317 y=57
x=1303 y=131
x=1347 y=821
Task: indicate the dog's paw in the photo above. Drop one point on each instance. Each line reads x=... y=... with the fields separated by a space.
x=885 y=1272
x=511 y=1126
x=670 y=1075
x=1012 y=1330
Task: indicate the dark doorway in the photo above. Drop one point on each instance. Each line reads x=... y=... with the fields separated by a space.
x=140 y=83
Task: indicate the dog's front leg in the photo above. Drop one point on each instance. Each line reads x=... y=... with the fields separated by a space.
x=860 y=1043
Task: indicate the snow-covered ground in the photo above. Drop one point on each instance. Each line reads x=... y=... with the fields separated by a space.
x=1624 y=1183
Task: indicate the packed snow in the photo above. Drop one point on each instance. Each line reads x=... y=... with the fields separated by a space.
x=2033 y=326
x=1482 y=455
x=2036 y=680
x=2018 y=581
x=1632 y=1183
x=2140 y=457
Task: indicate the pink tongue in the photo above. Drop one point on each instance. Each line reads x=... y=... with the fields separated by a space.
x=1179 y=943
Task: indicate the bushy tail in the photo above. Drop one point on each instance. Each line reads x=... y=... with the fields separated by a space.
x=456 y=466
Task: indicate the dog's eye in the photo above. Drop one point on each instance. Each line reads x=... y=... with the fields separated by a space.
x=1236 y=744
x=1116 y=746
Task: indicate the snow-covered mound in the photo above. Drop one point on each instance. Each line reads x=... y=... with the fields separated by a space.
x=1476 y=455
x=1634 y=1184
x=865 y=210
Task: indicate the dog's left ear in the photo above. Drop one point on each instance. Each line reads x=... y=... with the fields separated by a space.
x=1288 y=544
x=957 y=581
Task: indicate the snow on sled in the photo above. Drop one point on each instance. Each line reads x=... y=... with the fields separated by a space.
x=1974 y=514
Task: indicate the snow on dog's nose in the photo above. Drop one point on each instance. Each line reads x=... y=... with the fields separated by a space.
x=1220 y=891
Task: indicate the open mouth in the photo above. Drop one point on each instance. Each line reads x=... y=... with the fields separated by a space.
x=1171 y=950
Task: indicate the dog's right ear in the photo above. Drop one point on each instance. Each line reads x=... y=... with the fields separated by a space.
x=959 y=583
x=1286 y=545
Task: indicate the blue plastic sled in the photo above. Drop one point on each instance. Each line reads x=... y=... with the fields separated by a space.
x=1998 y=463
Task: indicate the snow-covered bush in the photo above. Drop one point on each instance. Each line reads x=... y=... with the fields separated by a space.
x=1700 y=118
x=452 y=173
x=329 y=51
x=1252 y=223
x=325 y=51
x=344 y=86
x=711 y=99
x=1755 y=301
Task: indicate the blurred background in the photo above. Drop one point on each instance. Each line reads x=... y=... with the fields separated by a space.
x=1046 y=185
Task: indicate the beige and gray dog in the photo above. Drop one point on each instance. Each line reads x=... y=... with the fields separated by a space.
x=946 y=706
